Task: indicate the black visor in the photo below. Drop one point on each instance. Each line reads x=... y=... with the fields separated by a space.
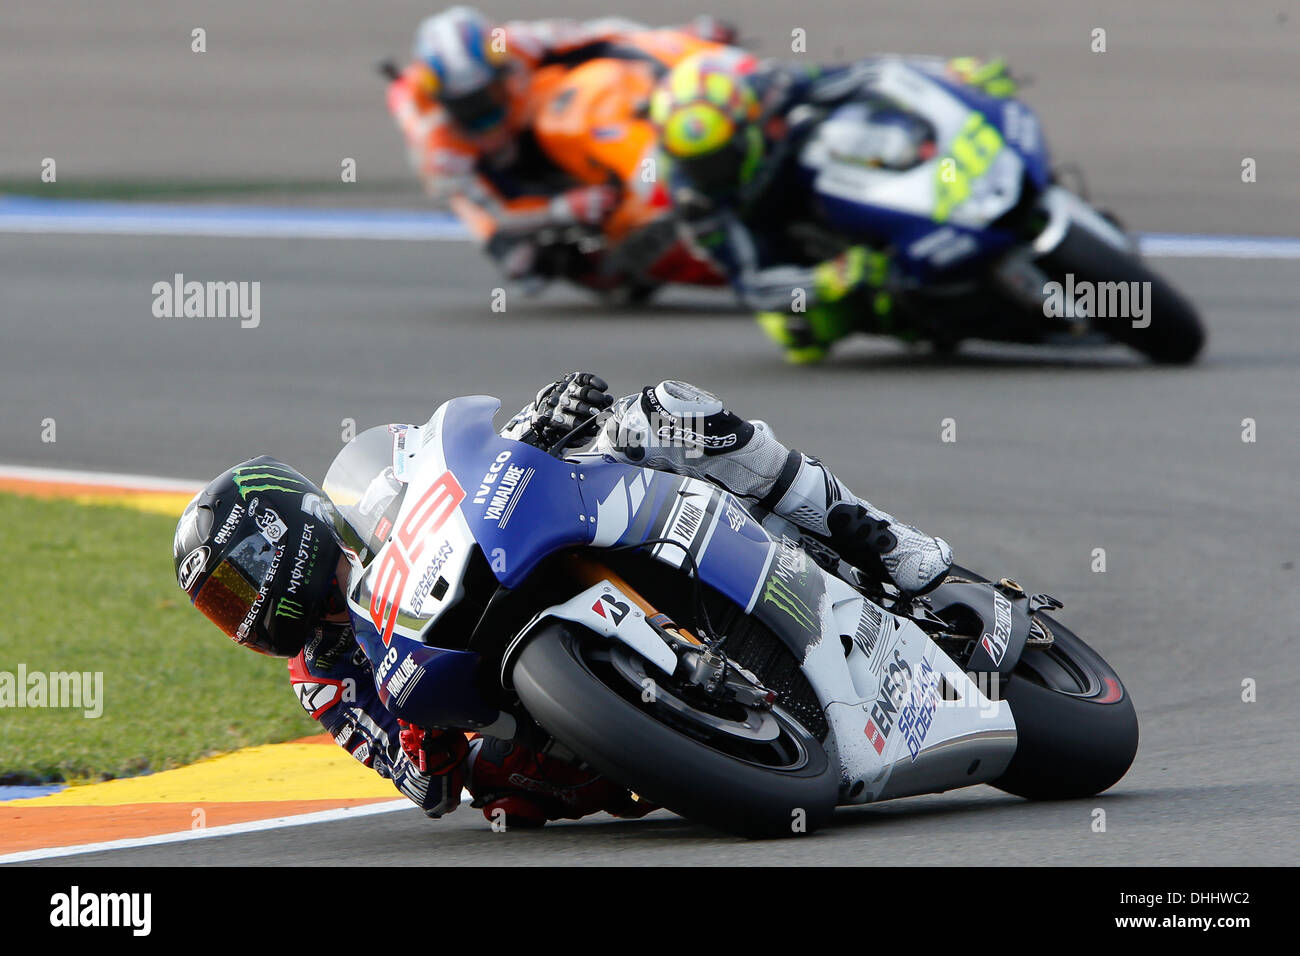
x=715 y=172
x=234 y=597
x=479 y=111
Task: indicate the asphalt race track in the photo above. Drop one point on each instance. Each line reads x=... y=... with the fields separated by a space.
x=1160 y=122
x=1057 y=453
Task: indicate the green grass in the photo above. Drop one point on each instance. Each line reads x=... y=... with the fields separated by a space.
x=91 y=588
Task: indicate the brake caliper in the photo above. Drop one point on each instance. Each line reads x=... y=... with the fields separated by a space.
x=722 y=679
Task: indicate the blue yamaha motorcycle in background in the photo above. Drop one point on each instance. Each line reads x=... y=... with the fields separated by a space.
x=698 y=651
x=958 y=185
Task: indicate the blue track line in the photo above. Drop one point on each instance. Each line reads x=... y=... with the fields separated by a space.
x=26 y=214
x=23 y=792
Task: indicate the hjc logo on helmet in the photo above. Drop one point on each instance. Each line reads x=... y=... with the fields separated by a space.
x=192 y=567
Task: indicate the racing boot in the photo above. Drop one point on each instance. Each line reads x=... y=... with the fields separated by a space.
x=526 y=788
x=680 y=428
x=806 y=337
x=849 y=294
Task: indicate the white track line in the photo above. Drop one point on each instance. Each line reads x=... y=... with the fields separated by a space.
x=230 y=829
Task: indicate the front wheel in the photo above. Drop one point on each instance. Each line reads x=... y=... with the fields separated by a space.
x=754 y=773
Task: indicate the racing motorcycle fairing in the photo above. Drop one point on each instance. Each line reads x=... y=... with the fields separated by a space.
x=606 y=610
x=424 y=685
x=902 y=714
x=939 y=213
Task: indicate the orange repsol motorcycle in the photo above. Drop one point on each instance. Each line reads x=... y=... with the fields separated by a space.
x=590 y=125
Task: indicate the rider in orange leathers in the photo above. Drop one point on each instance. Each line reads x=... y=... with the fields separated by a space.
x=465 y=107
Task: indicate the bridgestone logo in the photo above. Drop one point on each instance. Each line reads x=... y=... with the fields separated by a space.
x=995 y=644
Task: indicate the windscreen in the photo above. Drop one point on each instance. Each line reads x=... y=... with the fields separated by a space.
x=363 y=487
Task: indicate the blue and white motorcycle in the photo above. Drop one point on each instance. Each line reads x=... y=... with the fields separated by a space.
x=959 y=186
x=694 y=649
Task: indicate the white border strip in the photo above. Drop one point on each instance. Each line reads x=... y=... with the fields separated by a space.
x=56 y=476
x=230 y=829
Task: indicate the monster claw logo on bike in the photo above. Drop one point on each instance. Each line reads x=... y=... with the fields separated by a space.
x=780 y=591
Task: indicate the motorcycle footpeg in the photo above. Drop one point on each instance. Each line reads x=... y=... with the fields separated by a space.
x=1043 y=602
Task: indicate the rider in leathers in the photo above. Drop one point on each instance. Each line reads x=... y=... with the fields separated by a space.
x=732 y=129
x=466 y=108
x=333 y=677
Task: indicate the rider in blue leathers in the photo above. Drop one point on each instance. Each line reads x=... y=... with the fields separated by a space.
x=731 y=130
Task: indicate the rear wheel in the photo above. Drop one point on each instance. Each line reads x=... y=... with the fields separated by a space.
x=1076 y=729
x=752 y=772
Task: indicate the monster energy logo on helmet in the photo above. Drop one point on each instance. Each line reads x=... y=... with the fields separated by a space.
x=289 y=608
x=251 y=478
x=781 y=594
